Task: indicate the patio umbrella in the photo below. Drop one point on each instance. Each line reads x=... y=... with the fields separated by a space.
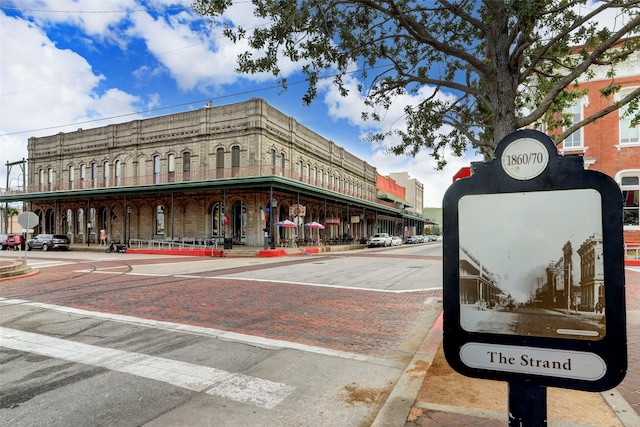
x=286 y=223
x=315 y=225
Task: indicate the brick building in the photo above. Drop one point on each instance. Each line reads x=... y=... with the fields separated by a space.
x=223 y=172
x=611 y=145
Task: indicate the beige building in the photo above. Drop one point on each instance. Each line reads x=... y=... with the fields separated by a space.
x=225 y=172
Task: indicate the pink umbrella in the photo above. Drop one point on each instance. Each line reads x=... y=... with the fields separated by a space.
x=286 y=223
x=314 y=225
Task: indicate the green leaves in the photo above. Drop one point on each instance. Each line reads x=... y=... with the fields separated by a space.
x=490 y=67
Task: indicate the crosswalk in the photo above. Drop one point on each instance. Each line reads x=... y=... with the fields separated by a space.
x=216 y=382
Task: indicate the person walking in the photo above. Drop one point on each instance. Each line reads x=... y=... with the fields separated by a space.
x=103 y=237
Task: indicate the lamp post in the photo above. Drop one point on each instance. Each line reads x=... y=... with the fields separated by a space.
x=128 y=236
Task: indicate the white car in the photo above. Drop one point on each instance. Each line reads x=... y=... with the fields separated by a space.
x=396 y=241
x=380 y=240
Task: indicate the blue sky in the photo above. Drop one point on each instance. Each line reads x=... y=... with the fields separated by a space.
x=68 y=64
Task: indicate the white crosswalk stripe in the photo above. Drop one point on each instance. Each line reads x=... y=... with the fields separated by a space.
x=216 y=382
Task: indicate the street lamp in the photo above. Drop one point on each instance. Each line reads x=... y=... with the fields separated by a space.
x=128 y=236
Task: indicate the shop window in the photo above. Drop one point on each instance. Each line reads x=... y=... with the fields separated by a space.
x=159 y=219
x=80 y=221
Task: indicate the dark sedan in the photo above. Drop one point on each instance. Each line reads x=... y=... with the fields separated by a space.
x=48 y=241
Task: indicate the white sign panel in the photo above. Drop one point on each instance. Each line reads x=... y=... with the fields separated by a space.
x=536 y=361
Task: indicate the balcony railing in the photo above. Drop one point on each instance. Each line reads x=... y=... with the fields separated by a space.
x=194 y=176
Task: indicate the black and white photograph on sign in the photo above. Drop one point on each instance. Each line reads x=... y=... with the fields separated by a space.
x=532 y=264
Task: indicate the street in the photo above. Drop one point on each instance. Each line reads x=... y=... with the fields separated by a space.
x=100 y=339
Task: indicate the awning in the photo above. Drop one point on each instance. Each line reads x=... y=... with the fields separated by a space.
x=383 y=195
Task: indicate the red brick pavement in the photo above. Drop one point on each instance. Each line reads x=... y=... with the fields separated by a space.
x=372 y=323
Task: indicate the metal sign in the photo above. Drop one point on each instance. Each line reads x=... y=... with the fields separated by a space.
x=534 y=270
x=27 y=219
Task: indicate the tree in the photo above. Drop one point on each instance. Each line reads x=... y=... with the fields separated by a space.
x=8 y=212
x=493 y=66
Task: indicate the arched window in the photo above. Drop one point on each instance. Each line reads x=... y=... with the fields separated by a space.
x=67 y=221
x=235 y=161
x=273 y=161
x=106 y=173
x=72 y=173
x=80 y=221
x=118 y=171
x=300 y=168
x=94 y=175
x=171 y=167
x=282 y=164
x=156 y=169
x=217 y=220
x=159 y=219
x=186 y=166
x=220 y=162
x=83 y=175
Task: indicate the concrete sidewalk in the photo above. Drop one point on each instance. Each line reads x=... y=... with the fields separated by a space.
x=431 y=394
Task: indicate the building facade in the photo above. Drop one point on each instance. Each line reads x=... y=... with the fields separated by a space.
x=611 y=144
x=223 y=172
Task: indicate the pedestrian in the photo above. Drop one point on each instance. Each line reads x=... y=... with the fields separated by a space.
x=18 y=241
x=103 y=237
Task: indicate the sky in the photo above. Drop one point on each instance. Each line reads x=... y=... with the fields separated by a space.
x=531 y=236
x=69 y=64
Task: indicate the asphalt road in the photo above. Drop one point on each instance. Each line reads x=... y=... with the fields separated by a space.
x=100 y=339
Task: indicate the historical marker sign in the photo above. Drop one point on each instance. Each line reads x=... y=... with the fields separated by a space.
x=534 y=270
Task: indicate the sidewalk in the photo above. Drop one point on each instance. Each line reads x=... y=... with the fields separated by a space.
x=445 y=398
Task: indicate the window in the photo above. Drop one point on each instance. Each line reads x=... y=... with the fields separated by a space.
x=186 y=166
x=80 y=221
x=118 y=171
x=630 y=186
x=575 y=139
x=628 y=134
x=235 y=161
x=106 y=173
x=217 y=221
x=50 y=179
x=67 y=221
x=282 y=164
x=159 y=219
x=94 y=175
x=156 y=169
x=273 y=161
x=72 y=172
x=300 y=167
x=83 y=176
x=171 y=167
x=220 y=163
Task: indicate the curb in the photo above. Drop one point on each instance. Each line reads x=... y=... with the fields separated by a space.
x=403 y=396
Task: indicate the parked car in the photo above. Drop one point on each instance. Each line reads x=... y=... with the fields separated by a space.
x=4 y=241
x=48 y=241
x=412 y=240
x=396 y=241
x=380 y=239
x=16 y=241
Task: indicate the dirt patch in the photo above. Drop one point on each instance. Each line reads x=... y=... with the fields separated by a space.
x=444 y=386
x=367 y=396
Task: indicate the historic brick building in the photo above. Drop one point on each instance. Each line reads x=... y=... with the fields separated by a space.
x=610 y=144
x=228 y=171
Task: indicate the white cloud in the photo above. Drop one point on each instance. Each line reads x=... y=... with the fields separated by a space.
x=44 y=87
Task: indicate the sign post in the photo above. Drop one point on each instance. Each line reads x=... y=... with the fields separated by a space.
x=534 y=275
x=27 y=220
